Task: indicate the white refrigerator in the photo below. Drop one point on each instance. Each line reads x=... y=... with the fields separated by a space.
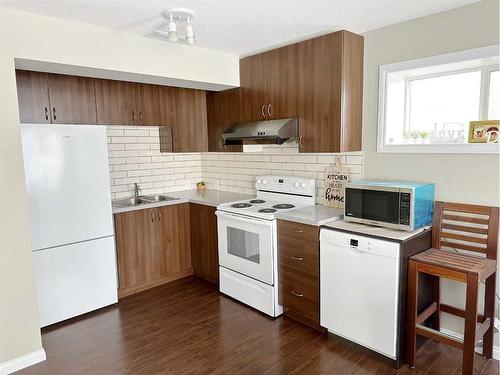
x=72 y=235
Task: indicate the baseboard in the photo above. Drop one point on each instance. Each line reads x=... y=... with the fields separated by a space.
x=21 y=362
x=125 y=292
x=496 y=349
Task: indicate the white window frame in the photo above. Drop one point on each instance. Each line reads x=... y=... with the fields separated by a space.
x=455 y=57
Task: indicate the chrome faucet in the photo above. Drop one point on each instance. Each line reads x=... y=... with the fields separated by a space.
x=137 y=190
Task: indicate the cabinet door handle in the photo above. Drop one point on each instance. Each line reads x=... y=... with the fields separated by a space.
x=46 y=113
x=54 y=117
x=300 y=259
x=262 y=110
x=297 y=294
x=270 y=109
x=133 y=117
x=301 y=145
x=298 y=230
x=220 y=143
x=159 y=215
x=140 y=117
x=152 y=217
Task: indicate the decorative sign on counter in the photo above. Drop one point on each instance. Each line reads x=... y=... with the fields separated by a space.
x=337 y=177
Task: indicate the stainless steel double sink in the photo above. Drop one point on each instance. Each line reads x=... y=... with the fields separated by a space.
x=143 y=199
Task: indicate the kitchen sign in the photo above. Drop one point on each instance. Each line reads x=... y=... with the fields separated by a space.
x=337 y=176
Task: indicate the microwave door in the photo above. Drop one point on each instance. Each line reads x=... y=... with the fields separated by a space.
x=373 y=206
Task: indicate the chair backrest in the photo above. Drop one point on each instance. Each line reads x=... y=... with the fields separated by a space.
x=466 y=227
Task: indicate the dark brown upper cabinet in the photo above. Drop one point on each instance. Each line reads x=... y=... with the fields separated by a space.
x=252 y=89
x=223 y=111
x=167 y=105
x=319 y=81
x=117 y=102
x=33 y=96
x=269 y=84
x=330 y=93
x=149 y=104
x=72 y=99
x=190 y=126
x=55 y=98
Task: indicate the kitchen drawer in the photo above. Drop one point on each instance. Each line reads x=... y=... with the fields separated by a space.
x=299 y=297
x=298 y=256
x=299 y=283
x=305 y=234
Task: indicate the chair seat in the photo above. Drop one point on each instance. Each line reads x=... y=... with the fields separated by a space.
x=457 y=262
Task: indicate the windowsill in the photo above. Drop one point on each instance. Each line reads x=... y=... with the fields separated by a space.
x=468 y=148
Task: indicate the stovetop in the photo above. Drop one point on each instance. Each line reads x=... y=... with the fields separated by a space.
x=260 y=208
x=274 y=194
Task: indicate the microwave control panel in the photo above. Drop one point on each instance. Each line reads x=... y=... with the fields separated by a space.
x=404 y=208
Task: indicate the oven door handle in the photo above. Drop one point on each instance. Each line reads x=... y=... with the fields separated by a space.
x=244 y=219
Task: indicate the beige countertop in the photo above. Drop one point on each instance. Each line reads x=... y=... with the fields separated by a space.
x=206 y=197
x=312 y=215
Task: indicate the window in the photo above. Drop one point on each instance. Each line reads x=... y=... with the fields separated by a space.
x=426 y=105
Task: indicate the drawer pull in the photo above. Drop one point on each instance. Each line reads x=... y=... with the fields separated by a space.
x=300 y=259
x=297 y=294
x=298 y=230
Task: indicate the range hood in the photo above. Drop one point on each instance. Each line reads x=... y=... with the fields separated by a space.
x=269 y=131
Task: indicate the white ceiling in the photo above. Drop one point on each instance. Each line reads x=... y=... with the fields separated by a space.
x=242 y=26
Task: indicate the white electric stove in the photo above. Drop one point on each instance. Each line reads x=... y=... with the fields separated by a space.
x=248 y=240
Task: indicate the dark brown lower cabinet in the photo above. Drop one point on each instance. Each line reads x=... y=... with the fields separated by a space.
x=153 y=247
x=298 y=270
x=204 y=251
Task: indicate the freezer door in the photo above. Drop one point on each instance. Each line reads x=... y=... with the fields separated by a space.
x=75 y=279
x=67 y=179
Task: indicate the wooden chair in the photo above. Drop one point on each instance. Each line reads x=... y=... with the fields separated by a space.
x=457 y=227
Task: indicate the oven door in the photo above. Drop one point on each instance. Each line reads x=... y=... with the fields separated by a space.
x=246 y=245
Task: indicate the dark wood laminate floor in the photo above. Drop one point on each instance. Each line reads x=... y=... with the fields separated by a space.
x=187 y=327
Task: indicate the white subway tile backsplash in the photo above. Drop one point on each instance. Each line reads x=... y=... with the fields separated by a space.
x=139 y=173
x=137 y=132
x=134 y=156
x=136 y=146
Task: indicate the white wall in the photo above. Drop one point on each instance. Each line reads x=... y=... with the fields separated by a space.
x=457 y=177
x=32 y=37
x=469 y=178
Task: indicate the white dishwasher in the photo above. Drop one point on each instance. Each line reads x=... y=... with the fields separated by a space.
x=359 y=279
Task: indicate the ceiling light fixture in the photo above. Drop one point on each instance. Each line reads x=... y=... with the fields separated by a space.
x=175 y=17
x=189 y=33
x=172 y=30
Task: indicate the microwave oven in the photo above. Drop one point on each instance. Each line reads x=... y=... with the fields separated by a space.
x=399 y=205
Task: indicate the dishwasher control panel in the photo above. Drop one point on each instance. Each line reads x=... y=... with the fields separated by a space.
x=359 y=243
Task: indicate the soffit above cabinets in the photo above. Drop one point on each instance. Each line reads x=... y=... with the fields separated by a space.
x=240 y=26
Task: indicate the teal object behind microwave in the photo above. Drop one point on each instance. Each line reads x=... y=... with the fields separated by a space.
x=393 y=204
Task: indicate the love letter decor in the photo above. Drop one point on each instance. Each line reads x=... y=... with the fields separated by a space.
x=337 y=177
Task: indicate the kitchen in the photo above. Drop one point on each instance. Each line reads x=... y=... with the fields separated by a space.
x=136 y=157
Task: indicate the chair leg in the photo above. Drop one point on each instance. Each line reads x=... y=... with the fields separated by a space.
x=470 y=324
x=489 y=312
x=435 y=319
x=411 y=312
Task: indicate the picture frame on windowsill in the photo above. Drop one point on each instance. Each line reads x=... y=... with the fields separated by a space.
x=484 y=131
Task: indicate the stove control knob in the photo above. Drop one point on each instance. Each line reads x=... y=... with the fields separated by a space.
x=259 y=181
x=264 y=182
x=304 y=185
x=296 y=185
